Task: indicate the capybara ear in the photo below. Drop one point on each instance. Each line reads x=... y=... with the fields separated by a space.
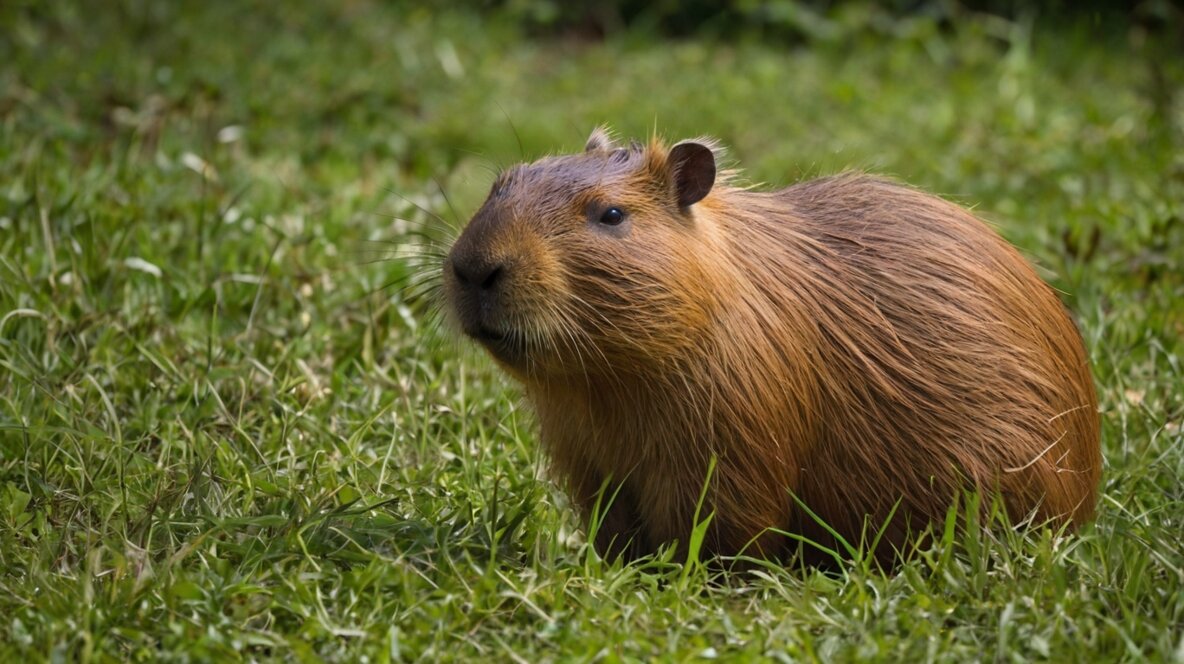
x=692 y=166
x=600 y=140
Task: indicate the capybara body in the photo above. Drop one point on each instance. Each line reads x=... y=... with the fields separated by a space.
x=847 y=344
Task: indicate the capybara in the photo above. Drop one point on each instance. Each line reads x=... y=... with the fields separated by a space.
x=847 y=350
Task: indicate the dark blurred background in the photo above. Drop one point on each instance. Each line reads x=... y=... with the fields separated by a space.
x=809 y=20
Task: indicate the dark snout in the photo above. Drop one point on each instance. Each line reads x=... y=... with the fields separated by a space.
x=476 y=273
x=477 y=278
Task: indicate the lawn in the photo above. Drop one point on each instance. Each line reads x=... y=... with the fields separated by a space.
x=229 y=431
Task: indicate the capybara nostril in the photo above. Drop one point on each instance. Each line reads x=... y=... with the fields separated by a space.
x=484 y=274
x=492 y=277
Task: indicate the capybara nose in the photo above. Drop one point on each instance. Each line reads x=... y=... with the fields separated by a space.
x=477 y=274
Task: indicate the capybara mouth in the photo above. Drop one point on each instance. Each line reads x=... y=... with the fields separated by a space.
x=504 y=345
x=486 y=334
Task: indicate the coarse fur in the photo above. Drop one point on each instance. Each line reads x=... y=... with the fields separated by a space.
x=848 y=344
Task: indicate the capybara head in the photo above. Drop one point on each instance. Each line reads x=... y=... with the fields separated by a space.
x=549 y=274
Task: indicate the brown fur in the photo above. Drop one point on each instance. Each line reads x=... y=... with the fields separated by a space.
x=848 y=341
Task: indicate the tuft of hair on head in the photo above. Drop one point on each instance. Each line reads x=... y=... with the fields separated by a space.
x=691 y=168
x=600 y=140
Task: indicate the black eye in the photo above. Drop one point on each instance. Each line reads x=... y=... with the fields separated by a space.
x=612 y=216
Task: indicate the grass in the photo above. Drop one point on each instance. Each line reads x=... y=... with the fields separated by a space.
x=222 y=438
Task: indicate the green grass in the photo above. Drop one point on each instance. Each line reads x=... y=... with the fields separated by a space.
x=221 y=437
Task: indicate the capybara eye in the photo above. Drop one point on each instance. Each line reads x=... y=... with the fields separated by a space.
x=612 y=216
